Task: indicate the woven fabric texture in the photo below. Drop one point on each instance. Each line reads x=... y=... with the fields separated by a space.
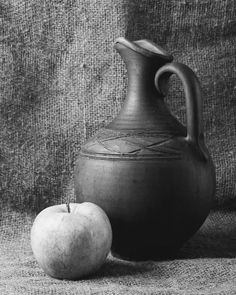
x=205 y=265
x=61 y=81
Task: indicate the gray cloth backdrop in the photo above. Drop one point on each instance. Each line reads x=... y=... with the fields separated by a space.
x=60 y=81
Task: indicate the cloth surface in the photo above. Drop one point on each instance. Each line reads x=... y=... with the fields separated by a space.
x=61 y=81
x=205 y=265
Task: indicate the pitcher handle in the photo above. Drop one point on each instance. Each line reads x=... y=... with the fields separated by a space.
x=192 y=92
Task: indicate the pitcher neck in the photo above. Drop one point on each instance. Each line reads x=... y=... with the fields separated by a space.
x=141 y=73
x=142 y=59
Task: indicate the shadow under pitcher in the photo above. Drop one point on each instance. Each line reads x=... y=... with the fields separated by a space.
x=152 y=176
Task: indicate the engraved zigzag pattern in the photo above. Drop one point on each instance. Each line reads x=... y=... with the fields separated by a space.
x=143 y=146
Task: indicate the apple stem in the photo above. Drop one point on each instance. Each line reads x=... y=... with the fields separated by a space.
x=68 y=206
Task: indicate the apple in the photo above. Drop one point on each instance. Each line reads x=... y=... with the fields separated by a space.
x=71 y=241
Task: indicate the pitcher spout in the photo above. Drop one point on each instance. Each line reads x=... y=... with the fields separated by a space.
x=145 y=48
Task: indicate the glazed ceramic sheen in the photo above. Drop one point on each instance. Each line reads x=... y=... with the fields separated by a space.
x=153 y=176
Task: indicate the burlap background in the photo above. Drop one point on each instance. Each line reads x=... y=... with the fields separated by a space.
x=61 y=80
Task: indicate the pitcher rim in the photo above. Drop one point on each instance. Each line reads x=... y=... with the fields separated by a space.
x=133 y=45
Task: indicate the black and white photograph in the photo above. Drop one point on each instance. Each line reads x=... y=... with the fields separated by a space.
x=118 y=147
